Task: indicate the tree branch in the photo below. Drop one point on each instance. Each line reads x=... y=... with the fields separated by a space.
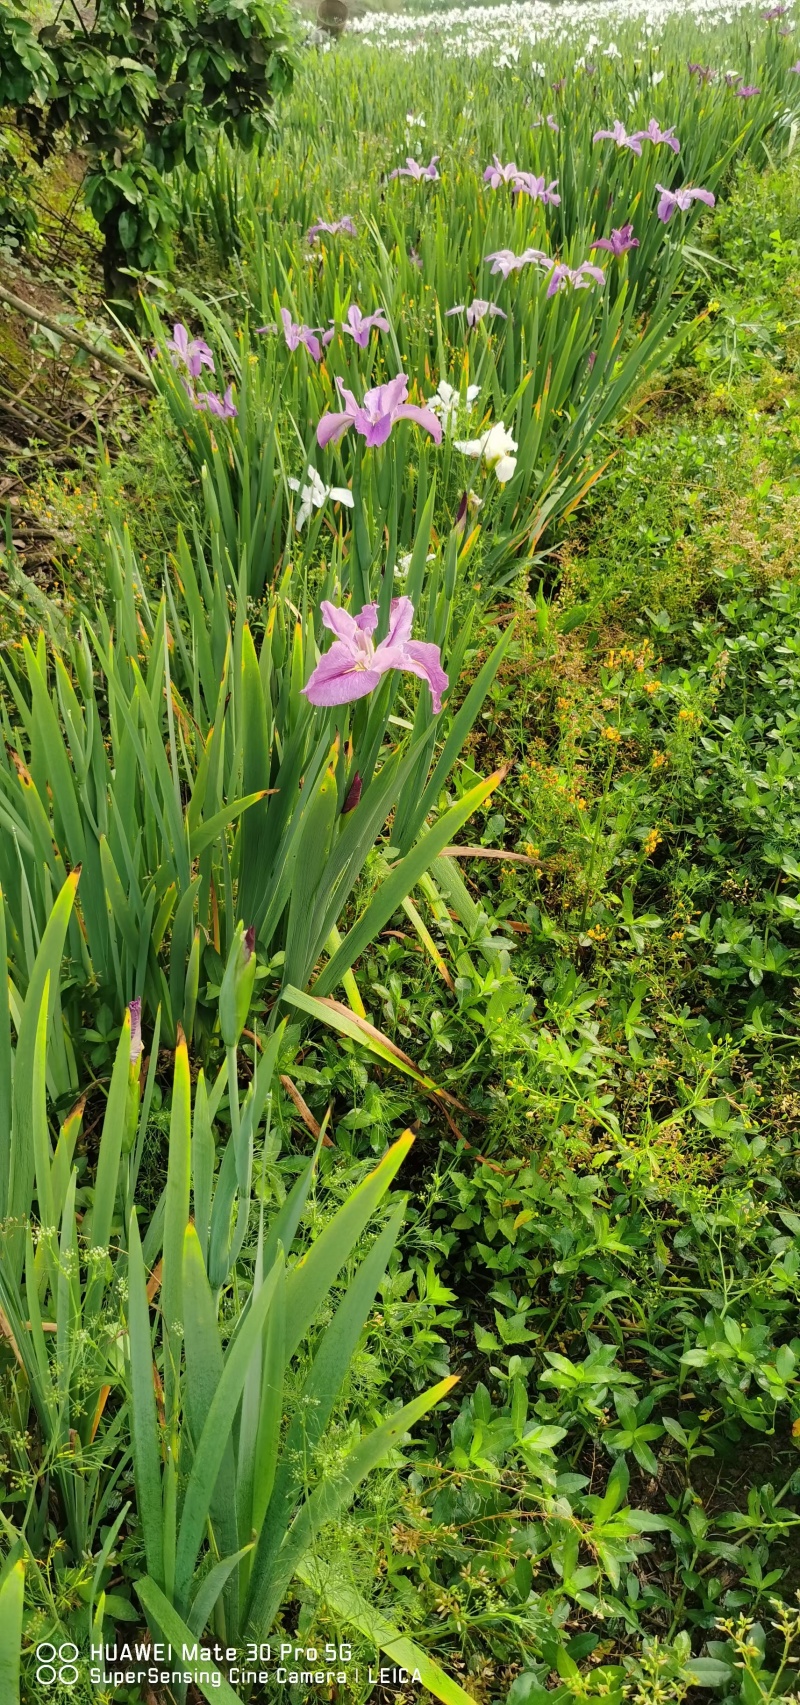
x=138 y=374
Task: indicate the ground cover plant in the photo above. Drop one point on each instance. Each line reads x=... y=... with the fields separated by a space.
x=399 y=867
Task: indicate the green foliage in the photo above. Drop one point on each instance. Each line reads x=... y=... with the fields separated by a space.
x=143 y=89
x=209 y=1341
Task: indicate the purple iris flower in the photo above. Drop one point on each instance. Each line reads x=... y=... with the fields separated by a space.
x=476 y=310
x=333 y=230
x=732 y=78
x=192 y=353
x=672 y=199
x=795 y=68
x=358 y=326
x=619 y=242
x=297 y=334
x=656 y=135
x=375 y=417
x=703 y=73
x=746 y=91
x=135 y=1010
x=223 y=407
x=505 y=260
x=619 y=135
x=354 y=665
x=579 y=278
x=774 y=12
x=497 y=174
x=557 y=87
x=413 y=169
x=550 y=121
x=526 y=183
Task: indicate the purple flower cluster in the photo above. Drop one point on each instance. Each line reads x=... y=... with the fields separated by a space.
x=296 y=335
x=209 y=402
x=190 y=355
x=332 y=229
x=526 y=183
x=505 y=261
x=522 y=183
x=358 y=326
x=619 y=241
x=497 y=174
x=578 y=278
x=653 y=133
x=476 y=310
x=413 y=169
x=674 y=200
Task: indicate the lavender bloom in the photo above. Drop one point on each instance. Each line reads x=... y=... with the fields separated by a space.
x=732 y=78
x=671 y=199
x=223 y=407
x=297 y=334
x=526 y=183
x=619 y=135
x=135 y=1010
x=497 y=174
x=506 y=262
x=746 y=91
x=703 y=73
x=358 y=326
x=346 y=225
x=354 y=665
x=774 y=12
x=795 y=68
x=579 y=278
x=413 y=169
x=192 y=353
x=549 y=121
x=375 y=417
x=476 y=310
x=656 y=135
x=619 y=242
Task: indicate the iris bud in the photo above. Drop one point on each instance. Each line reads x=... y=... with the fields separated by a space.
x=236 y=992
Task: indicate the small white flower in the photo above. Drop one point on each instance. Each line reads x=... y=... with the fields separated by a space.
x=403 y=565
x=494 y=448
x=657 y=77
x=313 y=495
x=447 y=401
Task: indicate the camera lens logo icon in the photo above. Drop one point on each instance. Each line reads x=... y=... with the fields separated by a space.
x=56 y=1663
